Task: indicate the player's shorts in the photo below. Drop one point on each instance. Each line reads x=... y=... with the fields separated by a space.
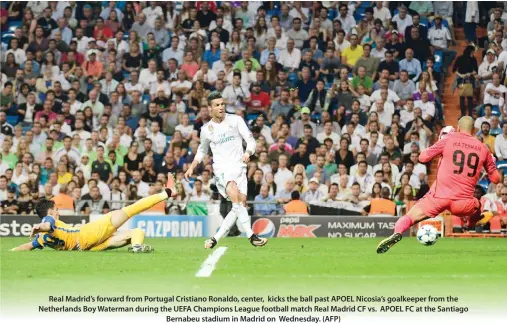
x=433 y=206
x=96 y=232
x=231 y=174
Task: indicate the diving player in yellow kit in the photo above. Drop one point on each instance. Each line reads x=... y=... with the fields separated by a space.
x=97 y=235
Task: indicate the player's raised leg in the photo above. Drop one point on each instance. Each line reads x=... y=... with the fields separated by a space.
x=427 y=207
x=119 y=217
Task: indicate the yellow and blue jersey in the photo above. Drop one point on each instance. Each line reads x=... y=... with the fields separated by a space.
x=61 y=236
x=67 y=238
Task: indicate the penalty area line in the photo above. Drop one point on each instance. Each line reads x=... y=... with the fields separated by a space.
x=209 y=264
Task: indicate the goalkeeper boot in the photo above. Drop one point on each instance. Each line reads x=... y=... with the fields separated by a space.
x=210 y=243
x=140 y=249
x=257 y=241
x=389 y=242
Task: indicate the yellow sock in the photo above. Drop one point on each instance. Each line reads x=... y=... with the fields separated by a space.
x=137 y=237
x=144 y=204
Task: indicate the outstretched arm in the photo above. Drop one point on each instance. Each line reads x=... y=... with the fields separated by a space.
x=490 y=166
x=24 y=247
x=435 y=150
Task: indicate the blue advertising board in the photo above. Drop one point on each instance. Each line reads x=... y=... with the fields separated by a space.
x=164 y=226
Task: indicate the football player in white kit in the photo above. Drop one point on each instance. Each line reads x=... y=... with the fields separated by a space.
x=224 y=134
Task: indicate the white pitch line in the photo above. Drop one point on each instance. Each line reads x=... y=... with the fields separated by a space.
x=209 y=264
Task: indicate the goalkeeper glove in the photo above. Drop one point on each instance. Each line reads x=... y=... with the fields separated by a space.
x=485 y=217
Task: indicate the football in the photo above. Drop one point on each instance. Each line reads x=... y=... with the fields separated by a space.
x=427 y=235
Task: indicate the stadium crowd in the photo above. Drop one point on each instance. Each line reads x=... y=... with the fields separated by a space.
x=100 y=100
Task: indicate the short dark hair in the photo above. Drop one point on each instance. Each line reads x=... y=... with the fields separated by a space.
x=295 y=195
x=42 y=208
x=214 y=95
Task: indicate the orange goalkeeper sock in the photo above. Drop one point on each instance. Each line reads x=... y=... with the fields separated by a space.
x=137 y=237
x=144 y=204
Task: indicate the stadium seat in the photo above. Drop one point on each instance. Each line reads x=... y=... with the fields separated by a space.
x=331 y=15
x=484 y=183
x=315 y=116
x=13 y=25
x=146 y=99
x=503 y=168
x=6 y=37
x=425 y=21
x=12 y=119
x=359 y=14
x=251 y=116
x=438 y=61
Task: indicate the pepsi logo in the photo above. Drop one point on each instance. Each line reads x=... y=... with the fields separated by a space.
x=264 y=228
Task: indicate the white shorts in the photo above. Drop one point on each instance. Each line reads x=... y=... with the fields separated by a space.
x=231 y=174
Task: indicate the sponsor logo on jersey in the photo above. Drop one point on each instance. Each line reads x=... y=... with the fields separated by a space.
x=223 y=138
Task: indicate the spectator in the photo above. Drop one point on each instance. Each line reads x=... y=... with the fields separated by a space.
x=486 y=138
x=411 y=65
x=384 y=205
x=351 y=54
x=312 y=194
x=94 y=203
x=466 y=67
x=10 y=204
x=262 y=204
x=439 y=35
x=295 y=205
x=332 y=195
x=402 y=20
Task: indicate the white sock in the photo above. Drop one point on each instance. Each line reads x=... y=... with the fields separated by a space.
x=244 y=220
x=227 y=224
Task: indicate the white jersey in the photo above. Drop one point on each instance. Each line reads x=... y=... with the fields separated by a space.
x=226 y=141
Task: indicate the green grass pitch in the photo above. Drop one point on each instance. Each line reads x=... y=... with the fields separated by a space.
x=285 y=266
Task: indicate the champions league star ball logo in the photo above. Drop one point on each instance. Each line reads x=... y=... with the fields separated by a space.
x=264 y=228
